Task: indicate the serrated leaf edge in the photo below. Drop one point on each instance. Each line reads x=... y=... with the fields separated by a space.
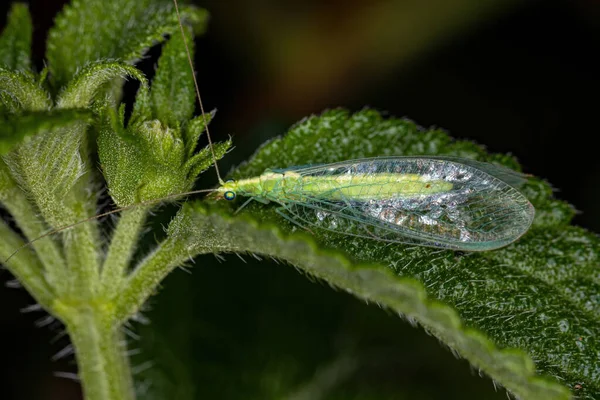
x=511 y=367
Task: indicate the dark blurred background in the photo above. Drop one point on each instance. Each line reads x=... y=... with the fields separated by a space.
x=519 y=77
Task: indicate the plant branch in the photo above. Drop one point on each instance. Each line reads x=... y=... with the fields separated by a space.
x=121 y=249
x=81 y=244
x=48 y=252
x=25 y=266
x=146 y=277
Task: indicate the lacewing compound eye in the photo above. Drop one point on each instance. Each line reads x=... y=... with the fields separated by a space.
x=229 y=195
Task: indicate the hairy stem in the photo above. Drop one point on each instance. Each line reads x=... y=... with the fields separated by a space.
x=82 y=261
x=101 y=358
x=81 y=249
x=46 y=248
x=143 y=281
x=122 y=247
x=25 y=266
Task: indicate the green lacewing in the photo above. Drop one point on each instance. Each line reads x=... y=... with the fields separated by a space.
x=444 y=202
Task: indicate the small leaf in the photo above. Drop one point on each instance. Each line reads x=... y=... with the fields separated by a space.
x=194 y=130
x=121 y=165
x=14 y=128
x=88 y=81
x=534 y=299
x=173 y=96
x=204 y=159
x=15 y=41
x=89 y=30
x=142 y=107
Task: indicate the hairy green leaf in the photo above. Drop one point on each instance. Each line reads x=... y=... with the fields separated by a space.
x=525 y=314
x=204 y=158
x=15 y=127
x=90 y=30
x=88 y=81
x=15 y=40
x=194 y=129
x=173 y=95
x=260 y=331
x=52 y=167
x=19 y=91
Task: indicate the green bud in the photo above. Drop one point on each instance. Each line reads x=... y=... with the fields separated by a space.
x=148 y=160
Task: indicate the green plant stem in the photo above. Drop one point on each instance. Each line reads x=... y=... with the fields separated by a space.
x=48 y=252
x=25 y=266
x=81 y=251
x=146 y=277
x=121 y=249
x=101 y=358
x=82 y=261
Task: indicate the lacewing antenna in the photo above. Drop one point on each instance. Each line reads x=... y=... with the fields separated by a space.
x=189 y=57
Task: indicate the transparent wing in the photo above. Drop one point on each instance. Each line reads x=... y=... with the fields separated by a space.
x=507 y=175
x=478 y=212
